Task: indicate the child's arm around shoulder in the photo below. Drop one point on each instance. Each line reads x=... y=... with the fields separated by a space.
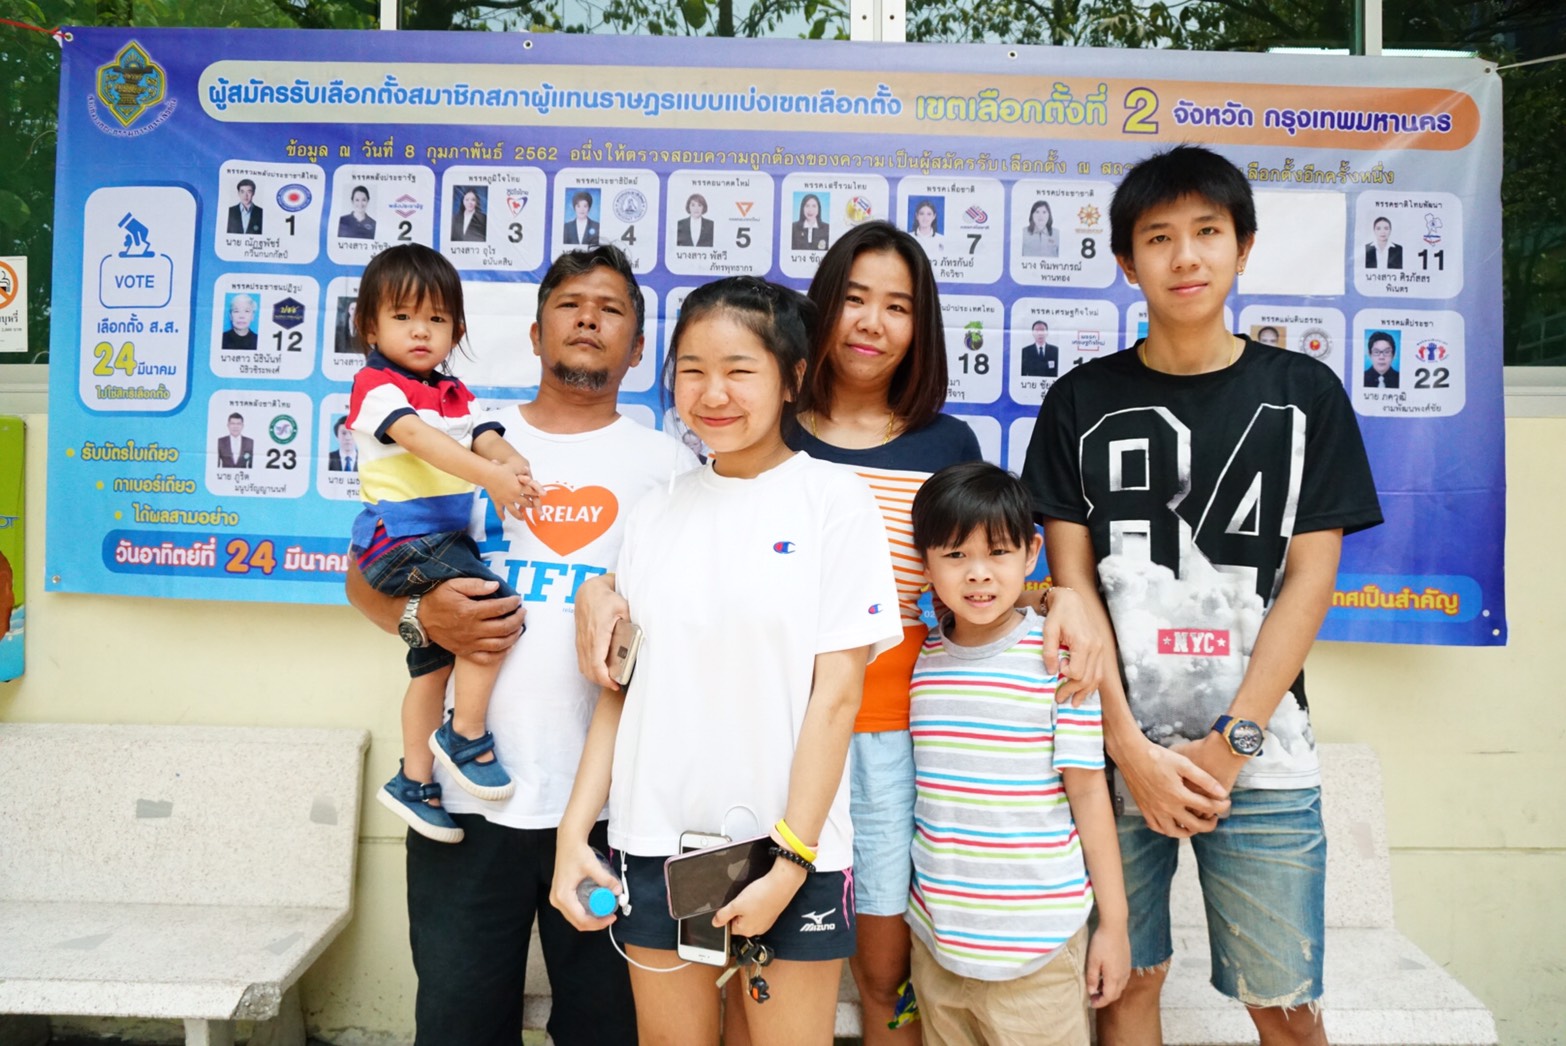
x=1109 y=950
x=508 y=489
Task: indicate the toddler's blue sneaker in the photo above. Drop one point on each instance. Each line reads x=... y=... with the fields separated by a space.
x=410 y=801
x=460 y=754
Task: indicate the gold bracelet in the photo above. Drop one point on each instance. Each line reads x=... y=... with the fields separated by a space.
x=793 y=841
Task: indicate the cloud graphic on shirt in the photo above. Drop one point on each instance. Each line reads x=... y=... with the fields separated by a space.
x=1177 y=697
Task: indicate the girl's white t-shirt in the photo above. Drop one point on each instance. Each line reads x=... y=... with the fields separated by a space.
x=738 y=584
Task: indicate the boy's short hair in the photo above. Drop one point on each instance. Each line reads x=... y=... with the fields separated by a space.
x=959 y=499
x=1163 y=178
x=407 y=273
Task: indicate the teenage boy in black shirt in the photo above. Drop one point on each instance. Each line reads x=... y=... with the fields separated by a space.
x=1200 y=485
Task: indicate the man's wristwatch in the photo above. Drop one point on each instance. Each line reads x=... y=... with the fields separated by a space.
x=408 y=626
x=1244 y=737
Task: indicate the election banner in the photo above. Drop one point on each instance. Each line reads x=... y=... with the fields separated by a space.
x=220 y=192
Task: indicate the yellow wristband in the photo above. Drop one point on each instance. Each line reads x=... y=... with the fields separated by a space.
x=793 y=842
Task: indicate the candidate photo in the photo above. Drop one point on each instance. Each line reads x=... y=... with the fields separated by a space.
x=244 y=217
x=236 y=450
x=344 y=458
x=924 y=221
x=1381 y=347
x=1267 y=334
x=1380 y=252
x=240 y=334
x=357 y=223
x=1039 y=238
x=1040 y=359
x=344 y=340
x=695 y=229
x=581 y=230
x=810 y=233
x=468 y=219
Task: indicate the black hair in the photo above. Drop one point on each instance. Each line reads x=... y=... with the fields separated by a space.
x=408 y=272
x=575 y=263
x=357 y=189
x=236 y=414
x=918 y=389
x=340 y=423
x=781 y=318
x=1385 y=336
x=696 y=197
x=803 y=199
x=244 y=182
x=960 y=499
x=1163 y=178
x=580 y=195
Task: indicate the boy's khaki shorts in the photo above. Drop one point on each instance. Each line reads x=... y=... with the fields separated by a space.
x=1048 y=1007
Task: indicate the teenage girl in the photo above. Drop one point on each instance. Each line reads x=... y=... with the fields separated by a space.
x=739 y=718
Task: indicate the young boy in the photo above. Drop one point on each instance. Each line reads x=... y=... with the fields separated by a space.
x=1201 y=484
x=1011 y=793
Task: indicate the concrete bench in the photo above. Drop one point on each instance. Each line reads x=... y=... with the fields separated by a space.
x=188 y=873
x=1380 y=989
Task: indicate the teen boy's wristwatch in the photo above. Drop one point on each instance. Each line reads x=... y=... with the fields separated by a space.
x=1244 y=737
x=408 y=626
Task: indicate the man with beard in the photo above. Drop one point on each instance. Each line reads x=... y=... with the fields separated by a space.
x=471 y=907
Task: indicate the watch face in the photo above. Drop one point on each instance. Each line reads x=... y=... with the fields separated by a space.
x=411 y=634
x=1245 y=737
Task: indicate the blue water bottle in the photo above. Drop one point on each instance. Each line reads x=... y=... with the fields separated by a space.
x=598 y=900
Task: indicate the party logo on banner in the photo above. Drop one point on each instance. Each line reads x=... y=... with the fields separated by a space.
x=130 y=85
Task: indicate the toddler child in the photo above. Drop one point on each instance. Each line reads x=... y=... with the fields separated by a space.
x=420 y=457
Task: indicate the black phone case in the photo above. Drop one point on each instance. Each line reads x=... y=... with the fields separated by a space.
x=702 y=881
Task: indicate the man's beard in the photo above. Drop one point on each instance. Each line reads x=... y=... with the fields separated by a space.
x=580 y=377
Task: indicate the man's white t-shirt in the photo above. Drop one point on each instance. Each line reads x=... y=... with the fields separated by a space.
x=738 y=584
x=541 y=704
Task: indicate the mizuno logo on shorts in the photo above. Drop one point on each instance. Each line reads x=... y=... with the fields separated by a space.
x=814 y=923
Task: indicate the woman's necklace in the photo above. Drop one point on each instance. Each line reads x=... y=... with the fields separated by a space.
x=1141 y=354
x=886 y=437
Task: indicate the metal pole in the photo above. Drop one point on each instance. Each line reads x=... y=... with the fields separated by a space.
x=390 y=14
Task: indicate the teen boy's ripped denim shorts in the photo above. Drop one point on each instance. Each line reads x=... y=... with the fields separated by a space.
x=1263 y=874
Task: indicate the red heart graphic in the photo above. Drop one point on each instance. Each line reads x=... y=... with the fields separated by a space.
x=567 y=519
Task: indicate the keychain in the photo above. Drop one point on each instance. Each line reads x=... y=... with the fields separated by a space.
x=754 y=954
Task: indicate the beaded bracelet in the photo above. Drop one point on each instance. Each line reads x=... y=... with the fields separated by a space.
x=790 y=855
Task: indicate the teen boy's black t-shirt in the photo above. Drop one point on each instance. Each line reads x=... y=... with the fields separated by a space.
x=1191 y=486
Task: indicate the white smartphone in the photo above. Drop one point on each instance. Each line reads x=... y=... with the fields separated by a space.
x=624 y=645
x=700 y=941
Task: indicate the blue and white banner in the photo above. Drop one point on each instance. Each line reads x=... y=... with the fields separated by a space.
x=220 y=191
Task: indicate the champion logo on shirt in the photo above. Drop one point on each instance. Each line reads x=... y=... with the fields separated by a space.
x=875 y=608
x=783 y=547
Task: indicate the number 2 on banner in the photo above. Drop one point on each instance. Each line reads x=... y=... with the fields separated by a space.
x=1143 y=103
x=241 y=560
